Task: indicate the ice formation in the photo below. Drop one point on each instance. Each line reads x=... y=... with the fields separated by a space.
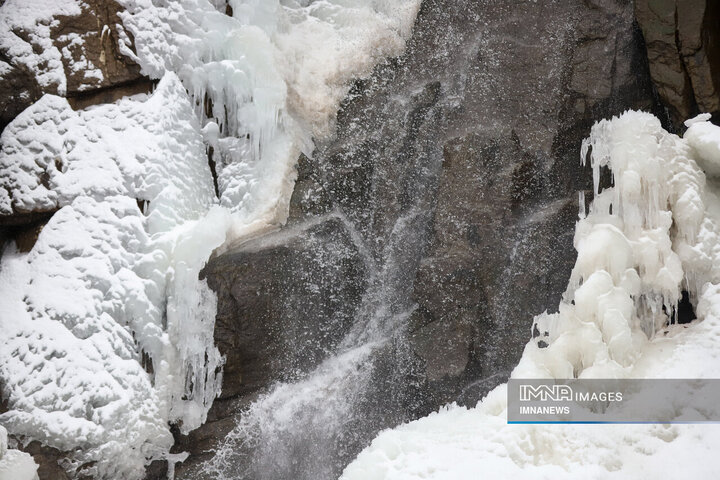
x=265 y=80
x=89 y=300
x=645 y=239
x=106 y=333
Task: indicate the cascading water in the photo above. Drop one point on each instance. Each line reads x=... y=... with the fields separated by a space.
x=644 y=240
x=310 y=429
x=252 y=82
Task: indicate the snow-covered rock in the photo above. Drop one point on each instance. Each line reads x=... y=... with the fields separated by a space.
x=130 y=181
x=265 y=79
x=14 y=464
x=106 y=331
x=64 y=47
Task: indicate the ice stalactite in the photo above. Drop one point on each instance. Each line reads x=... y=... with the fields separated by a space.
x=265 y=80
x=647 y=238
x=89 y=300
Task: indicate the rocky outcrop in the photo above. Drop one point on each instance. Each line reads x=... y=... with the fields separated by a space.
x=90 y=68
x=501 y=243
x=90 y=46
x=95 y=40
x=317 y=271
x=683 y=49
x=285 y=301
x=48 y=460
x=22 y=229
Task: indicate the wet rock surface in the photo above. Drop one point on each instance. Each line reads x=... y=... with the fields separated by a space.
x=496 y=97
x=467 y=149
x=285 y=301
x=683 y=47
x=317 y=272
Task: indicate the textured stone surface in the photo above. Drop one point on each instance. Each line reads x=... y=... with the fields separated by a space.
x=18 y=90
x=454 y=171
x=48 y=460
x=87 y=42
x=683 y=48
x=496 y=98
x=285 y=301
x=97 y=26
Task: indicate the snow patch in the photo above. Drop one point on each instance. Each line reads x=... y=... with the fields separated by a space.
x=704 y=138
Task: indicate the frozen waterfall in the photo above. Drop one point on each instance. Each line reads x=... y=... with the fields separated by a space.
x=108 y=348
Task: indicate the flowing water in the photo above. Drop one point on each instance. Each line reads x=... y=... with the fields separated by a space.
x=312 y=428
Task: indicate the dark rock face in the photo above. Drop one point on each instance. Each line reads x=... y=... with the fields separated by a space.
x=683 y=47
x=285 y=301
x=456 y=168
x=18 y=90
x=97 y=26
x=497 y=97
x=90 y=40
x=48 y=460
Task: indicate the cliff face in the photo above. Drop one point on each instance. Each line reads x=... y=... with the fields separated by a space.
x=437 y=220
x=683 y=46
x=452 y=184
